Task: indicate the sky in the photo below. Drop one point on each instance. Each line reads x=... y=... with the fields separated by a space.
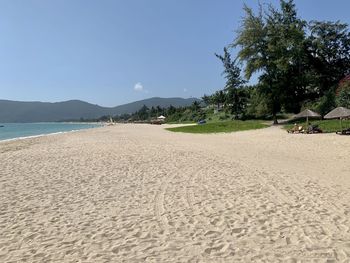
x=111 y=52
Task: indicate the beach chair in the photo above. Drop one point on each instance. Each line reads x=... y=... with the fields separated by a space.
x=314 y=129
x=344 y=132
x=296 y=129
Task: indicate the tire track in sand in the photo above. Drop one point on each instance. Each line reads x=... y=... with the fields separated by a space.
x=191 y=185
x=159 y=209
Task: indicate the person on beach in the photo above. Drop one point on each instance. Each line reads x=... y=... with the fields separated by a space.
x=296 y=129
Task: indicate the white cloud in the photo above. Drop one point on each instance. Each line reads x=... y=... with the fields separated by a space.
x=138 y=87
x=185 y=90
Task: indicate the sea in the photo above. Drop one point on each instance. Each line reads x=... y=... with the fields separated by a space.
x=10 y=131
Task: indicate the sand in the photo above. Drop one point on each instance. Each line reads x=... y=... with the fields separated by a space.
x=139 y=193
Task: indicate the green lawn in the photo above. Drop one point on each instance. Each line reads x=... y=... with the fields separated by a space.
x=325 y=125
x=224 y=126
x=181 y=122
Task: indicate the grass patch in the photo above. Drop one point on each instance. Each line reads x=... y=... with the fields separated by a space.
x=326 y=126
x=218 y=117
x=180 y=122
x=216 y=127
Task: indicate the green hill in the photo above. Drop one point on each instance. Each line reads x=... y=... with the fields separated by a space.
x=18 y=111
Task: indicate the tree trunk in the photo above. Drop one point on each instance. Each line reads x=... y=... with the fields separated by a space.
x=275 y=122
x=275 y=109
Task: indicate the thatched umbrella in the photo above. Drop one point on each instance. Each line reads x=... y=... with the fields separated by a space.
x=307 y=114
x=338 y=113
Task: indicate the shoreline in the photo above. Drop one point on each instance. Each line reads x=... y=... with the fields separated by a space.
x=49 y=134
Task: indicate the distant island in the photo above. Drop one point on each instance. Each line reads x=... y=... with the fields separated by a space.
x=18 y=111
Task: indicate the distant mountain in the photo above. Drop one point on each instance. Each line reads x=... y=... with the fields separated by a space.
x=155 y=101
x=18 y=111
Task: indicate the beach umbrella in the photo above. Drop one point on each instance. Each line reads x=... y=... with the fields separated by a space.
x=307 y=114
x=161 y=118
x=338 y=113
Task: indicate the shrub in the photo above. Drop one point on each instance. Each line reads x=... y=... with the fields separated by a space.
x=343 y=96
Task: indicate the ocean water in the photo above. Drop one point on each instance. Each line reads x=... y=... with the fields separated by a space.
x=20 y=130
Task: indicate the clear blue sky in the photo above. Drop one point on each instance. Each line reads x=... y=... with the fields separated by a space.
x=115 y=51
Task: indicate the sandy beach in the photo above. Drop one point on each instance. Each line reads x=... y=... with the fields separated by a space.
x=139 y=193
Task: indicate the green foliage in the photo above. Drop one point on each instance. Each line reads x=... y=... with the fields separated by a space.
x=258 y=106
x=326 y=103
x=104 y=118
x=231 y=71
x=195 y=106
x=175 y=115
x=234 y=96
x=143 y=113
x=298 y=62
x=343 y=97
x=206 y=99
x=322 y=105
x=272 y=42
x=224 y=117
x=216 y=127
x=328 y=49
x=250 y=37
x=218 y=98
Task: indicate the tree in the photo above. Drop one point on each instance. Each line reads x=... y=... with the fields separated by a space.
x=231 y=71
x=343 y=95
x=206 y=99
x=328 y=49
x=171 y=110
x=153 y=112
x=104 y=118
x=143 y=113
x=218 y=98
x=195 y=106
x=257 y=107
x=235 y=95
x=326 y=103
x=238 y=99
x=272 y=44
